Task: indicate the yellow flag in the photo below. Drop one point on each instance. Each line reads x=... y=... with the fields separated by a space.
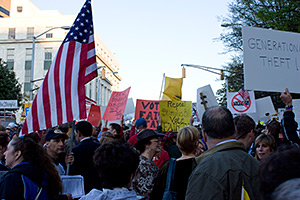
x=172 y=89
x=245 y=195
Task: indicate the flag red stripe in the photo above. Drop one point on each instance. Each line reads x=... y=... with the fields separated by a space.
x=46 y=101
x=91 y=61
x=25 y=128
x=81 y=81
x=57 y=86
x=35 y=123
x=91 y=46
x=68 y=76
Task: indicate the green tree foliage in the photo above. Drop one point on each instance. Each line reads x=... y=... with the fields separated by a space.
x=275 y=14
x=10 y=89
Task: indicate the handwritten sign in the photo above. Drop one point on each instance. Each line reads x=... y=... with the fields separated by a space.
x=116 y=105
x=237 y=105
x=175 y=114
x=271 y=55
x=8 y=104
x=149 y=110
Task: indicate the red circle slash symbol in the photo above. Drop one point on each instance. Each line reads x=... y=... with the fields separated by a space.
x=239 y=104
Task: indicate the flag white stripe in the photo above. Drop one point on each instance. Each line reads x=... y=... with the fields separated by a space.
x=91 y=69
x=91 y=53
x=91 y=38
x=29 y=120
x=62 y=72
x=41 y=110
x=74 y=82
x=52 y=96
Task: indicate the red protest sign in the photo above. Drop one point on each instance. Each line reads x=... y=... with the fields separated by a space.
x=94 y=115
x=149 y=110
x=116 y=105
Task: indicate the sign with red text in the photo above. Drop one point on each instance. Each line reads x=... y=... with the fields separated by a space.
x=271 y=60
x=116 y=105
x=174 y=114
x=237 y=105
x=149 y=110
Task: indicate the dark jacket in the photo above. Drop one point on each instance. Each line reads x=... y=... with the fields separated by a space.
x=221 y=171
x=83 y=164
x=24 y=180
x=290 y=127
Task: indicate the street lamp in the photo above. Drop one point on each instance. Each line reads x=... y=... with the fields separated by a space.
x=33 y=51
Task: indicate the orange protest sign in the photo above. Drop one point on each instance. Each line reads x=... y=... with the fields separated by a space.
x=116 y=105
x=94 y=115
x=149 y=110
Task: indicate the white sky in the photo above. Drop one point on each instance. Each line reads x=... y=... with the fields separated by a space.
x=150 y=38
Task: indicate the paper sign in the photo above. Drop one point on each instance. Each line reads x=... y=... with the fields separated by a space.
x=94 y=115
x=27 y=106
x=195 y=114
x=149 y=110
x=73 y=184
x=271 y=55
x=205 y=99
x=296 y=110
x=264 y=107
x=116 y=105
x=174 y=114
x=8 y=104
x=237 y=105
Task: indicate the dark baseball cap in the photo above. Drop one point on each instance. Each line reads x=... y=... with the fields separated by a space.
x=147 y=134
x=53 y=134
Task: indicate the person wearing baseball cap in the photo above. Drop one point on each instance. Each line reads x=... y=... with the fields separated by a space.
x=54 y=143
x=147 y=145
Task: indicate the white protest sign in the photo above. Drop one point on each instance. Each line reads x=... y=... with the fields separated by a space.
x=73 y=184
x=195 y=114
x=8 y=104
x=296 y=110
x=205 y=99
x=237 y=105
x=264 y=107
x=271 y=60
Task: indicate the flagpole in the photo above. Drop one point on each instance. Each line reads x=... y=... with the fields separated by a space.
x=161 y=86
x=71 y=145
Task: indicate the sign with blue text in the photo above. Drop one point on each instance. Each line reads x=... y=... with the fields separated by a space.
x=271 y=60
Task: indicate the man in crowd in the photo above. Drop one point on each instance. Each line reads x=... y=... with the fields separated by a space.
x=83 y=156
x=245 y=130
x=54 y=143
x=225 y=168
x=139 y=125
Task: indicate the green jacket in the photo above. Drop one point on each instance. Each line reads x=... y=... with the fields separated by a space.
x=221 y=171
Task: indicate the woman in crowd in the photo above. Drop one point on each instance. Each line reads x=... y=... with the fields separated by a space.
x=148 y=145
x=4 y=140
x=190 y=145
x=32 y=174
x=264 y=145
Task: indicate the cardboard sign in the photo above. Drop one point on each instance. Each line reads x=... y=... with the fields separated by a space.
x=271 y=55
x=175 y=114
x=237 y=105
x=205 y=99
x=264 y=107
x=116 y=105
x=94 y=115
x=149 y=110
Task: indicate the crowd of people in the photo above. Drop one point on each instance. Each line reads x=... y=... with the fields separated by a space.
x=228 y=157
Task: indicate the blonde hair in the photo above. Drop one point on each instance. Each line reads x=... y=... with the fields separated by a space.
x=267 y=140
x=187 y=139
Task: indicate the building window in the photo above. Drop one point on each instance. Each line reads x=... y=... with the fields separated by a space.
x=19 y=9
x=28 y=55
x=10 y=59
x=28 y=58
x=48 y=58
x=30 y=32
x=49 y=35
x=12 y=33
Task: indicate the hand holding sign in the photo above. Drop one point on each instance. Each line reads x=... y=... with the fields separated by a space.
x=286 y=97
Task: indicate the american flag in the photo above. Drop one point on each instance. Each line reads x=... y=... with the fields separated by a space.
x=61 y=97
x=244 y=93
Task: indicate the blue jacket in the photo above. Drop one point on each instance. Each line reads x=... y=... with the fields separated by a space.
x=24 y=181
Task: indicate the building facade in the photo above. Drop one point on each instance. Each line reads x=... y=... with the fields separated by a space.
x=24 y=21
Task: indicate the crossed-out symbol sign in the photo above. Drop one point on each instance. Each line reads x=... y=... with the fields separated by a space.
x=239 y=104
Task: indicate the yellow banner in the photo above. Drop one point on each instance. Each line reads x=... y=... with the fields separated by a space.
x=174 y=114
x=172 y=89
